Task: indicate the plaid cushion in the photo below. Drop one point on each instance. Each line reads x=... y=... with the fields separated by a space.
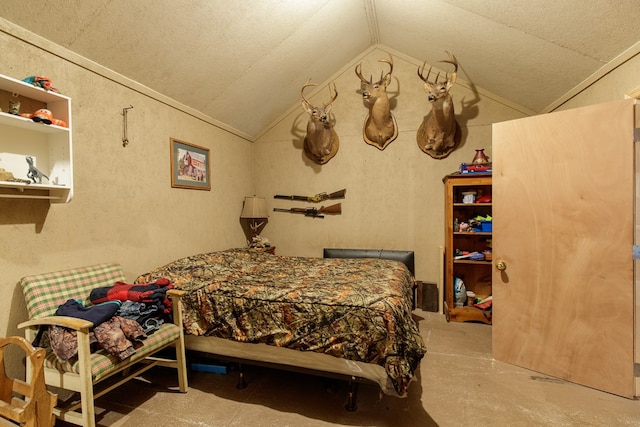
x=44 y=293
x=103 y=363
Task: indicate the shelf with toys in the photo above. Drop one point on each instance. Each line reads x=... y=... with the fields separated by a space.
x=468 y=250
x=35 y=140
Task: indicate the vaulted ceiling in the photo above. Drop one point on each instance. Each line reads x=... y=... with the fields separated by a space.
x=242 y=62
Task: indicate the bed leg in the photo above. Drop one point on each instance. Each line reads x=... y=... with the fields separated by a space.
x=241 y=382
x=352 y=396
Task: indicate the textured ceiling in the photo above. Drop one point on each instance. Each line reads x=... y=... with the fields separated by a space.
x=242 y=62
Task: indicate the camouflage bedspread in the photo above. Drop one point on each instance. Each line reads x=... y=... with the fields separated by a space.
x=358 y=309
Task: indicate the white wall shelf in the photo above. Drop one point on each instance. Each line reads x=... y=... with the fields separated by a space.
x=50 y=145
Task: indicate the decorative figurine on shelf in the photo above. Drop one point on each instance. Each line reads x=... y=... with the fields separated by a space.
x=480 y=158
x=45 y=116
x=5 y=175
x=34 y=173
x=14 y=107
x=460 y=292
x=480 y=163
x=40 y=81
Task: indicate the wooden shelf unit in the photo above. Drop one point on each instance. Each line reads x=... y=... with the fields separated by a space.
x=50 y=145
x=476 y=274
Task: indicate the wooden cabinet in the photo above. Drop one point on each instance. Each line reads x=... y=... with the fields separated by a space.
x=468 y=245
x=49 y=144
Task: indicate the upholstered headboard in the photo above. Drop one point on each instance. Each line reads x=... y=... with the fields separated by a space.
x=405 y=257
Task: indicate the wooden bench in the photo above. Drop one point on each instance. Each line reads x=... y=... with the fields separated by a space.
x=87 y=374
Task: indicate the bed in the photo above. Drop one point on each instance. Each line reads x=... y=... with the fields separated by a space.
x=339 y=317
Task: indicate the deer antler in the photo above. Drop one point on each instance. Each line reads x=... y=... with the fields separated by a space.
x=383 y=76
x=390 y=62
x=452 y=60
x=358 y=71
x=450 y=81
x=307 y=84
x=333 y=98
x=423 y=78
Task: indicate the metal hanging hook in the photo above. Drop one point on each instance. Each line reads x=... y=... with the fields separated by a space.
x=125 y=139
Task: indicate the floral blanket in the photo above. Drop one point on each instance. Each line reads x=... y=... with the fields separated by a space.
x=358 y=309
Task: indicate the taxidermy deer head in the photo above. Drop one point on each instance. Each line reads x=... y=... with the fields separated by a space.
x=439 y=133
x=380 y=127
x=321 y=142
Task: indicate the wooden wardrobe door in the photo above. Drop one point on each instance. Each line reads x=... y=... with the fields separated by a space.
x=563 y=208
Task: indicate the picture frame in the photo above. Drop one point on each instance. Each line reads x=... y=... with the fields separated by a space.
x=190 y=166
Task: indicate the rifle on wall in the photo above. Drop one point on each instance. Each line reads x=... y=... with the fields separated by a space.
x=321 y=197
x=314 y=212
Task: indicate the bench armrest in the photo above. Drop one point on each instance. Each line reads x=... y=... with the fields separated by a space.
x=176 y=294
x=176 y=300
x=74 y=323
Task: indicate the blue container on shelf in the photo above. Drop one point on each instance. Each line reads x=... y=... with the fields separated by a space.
x=485 y=226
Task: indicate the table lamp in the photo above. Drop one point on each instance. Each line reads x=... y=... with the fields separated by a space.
x=254 y=210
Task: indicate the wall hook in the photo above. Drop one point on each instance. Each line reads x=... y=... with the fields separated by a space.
x=125 y=139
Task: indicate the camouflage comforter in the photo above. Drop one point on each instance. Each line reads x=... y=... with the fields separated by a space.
x=358 y=309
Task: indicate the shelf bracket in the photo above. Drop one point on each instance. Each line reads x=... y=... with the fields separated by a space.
x=125 y=138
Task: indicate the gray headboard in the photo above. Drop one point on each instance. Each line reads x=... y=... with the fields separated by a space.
x=405 y=257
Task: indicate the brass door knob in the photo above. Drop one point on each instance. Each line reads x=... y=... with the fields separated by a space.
x=501 y=265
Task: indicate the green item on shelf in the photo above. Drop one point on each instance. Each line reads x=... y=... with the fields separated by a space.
x=483 y=218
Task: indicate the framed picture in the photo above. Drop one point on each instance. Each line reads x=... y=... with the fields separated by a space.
x=189 y=166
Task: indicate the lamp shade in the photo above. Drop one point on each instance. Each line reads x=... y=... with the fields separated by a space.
x=254 y=207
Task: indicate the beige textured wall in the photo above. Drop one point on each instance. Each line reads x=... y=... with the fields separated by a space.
x=394 y=197
x=124 y=208
x=613 y=86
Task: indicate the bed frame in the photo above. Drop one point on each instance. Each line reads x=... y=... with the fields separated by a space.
x=318 y=364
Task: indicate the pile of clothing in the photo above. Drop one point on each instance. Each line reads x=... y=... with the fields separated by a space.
x=123 y=315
